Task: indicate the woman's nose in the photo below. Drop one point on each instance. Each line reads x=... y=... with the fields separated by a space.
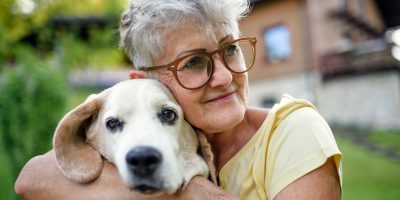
x=222 y=77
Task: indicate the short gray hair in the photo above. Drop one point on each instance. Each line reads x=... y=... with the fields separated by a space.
x=145 y=22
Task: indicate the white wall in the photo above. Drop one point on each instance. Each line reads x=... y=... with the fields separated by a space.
x=297 y=85
x=371 y=100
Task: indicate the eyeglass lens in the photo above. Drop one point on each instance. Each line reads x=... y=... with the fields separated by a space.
x=196 y=69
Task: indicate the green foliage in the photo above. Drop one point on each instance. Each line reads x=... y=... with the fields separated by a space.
x=104 y=45
x=6 y=180
x=2 y=48
x=101 y=51
x=33 y=96
x=74 y=53
x=15 y=26
x=13 y=23
x=78 y=96
x=110 y=8
x=33 y=89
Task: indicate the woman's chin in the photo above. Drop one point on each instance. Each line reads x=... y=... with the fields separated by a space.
x=224 y=118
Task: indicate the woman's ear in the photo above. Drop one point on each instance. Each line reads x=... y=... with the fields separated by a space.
x=136 y=74
x=77 y=159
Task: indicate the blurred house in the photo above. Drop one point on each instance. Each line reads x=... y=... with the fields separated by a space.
x=333 y=53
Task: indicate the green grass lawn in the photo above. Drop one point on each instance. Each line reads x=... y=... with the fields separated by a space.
x=387 y=139
x=367 y=175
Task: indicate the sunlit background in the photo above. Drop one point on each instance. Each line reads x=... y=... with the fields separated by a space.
x=342 y=55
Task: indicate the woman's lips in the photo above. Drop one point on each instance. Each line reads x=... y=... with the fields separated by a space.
x=223 y=97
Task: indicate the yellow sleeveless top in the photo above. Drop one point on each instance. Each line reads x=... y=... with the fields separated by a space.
x=292 y=141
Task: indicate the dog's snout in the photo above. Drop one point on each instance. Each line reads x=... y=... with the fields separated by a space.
x=143 y=161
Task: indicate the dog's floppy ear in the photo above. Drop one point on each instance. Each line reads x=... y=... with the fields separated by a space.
x=77 y=159
x=208 y=155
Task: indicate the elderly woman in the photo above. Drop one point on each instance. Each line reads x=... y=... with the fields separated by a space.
x=194 y=47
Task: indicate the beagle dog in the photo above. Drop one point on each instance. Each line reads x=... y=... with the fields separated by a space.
x=138 y=126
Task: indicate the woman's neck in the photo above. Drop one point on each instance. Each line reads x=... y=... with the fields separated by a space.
x=226 y=144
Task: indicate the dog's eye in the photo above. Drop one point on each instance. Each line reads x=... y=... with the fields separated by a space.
x=114 y=124
x=168 y=116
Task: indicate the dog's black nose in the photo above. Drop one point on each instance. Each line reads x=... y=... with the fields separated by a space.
x=143 y=161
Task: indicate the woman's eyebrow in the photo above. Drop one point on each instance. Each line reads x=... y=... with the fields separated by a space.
x=221 y=41
x=190 y=51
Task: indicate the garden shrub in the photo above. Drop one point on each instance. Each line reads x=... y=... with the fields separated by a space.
x=32 y=100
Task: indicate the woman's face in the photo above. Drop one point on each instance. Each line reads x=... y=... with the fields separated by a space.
x=219 y=105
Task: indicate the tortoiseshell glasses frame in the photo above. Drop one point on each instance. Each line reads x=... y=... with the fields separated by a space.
x=194 y=70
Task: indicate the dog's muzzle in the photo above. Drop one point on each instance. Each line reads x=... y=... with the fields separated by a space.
x=143 y=163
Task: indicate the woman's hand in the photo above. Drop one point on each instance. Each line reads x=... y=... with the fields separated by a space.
x=201 y=188
x=41 y=179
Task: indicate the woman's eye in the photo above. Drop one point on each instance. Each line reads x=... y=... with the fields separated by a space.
x=196 y=63
x=114 y=124
x=231 y=50
x=168 y=116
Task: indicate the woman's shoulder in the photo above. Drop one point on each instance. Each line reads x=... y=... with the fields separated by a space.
x=256 y=116
x=288 y=109
x=300 y=125
x=298 y=114
x=291 y=116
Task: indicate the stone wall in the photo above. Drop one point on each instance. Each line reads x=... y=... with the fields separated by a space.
x=370 y=100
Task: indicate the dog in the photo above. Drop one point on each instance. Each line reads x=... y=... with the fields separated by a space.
x=138 y=126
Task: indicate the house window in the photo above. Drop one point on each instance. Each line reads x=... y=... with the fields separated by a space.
x=268 y=102
x=277 y=43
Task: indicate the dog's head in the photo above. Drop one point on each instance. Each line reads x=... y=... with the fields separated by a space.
x=138 y=126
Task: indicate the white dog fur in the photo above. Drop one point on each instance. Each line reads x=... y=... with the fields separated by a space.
x=131 y=114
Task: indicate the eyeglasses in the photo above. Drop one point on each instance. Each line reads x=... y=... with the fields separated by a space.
x=193 y=71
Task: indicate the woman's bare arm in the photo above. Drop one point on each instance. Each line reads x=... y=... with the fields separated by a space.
x=41 y=179
x=322 y=183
